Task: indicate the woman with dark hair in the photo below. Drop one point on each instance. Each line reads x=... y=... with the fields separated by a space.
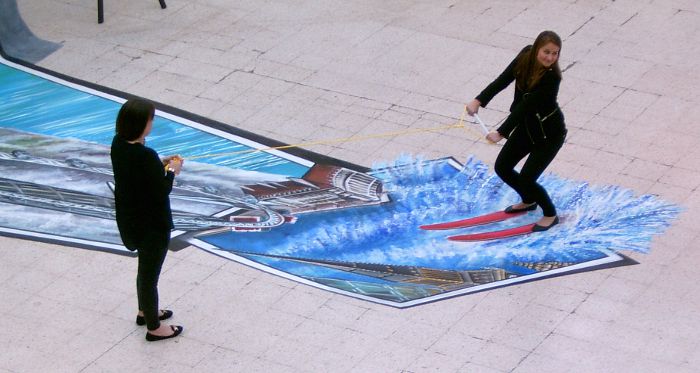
x=141 y=195
x=535 y=127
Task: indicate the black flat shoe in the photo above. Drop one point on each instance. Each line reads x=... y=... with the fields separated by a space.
x=542 y=228
x=164 y=315
x=512 y=210
x=177 y=329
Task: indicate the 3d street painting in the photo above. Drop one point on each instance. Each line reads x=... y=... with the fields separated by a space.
x=320 y=221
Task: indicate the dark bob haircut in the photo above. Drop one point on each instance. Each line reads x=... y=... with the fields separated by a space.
x=133 y=117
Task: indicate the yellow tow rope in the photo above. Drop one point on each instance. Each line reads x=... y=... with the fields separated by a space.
x=460 y=124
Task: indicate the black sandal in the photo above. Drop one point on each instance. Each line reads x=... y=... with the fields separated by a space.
x=164 y=315
x=177 y=329
x=542 y=228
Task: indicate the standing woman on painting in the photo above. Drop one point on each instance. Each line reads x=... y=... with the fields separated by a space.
x=141 y=194
x=535 y=127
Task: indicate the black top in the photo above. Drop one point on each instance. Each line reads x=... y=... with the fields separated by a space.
x=141 y=192
x=537 y=108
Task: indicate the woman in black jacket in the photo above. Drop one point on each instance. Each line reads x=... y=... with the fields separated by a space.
x=141 y=194
x=535 y=127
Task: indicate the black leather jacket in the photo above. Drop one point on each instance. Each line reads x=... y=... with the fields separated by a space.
x=141 y=193
x=536 y=110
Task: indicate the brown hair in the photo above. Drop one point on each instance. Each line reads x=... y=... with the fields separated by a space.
x=528 y=71
x=133 y=117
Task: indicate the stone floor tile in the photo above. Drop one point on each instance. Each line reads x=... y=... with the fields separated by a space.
x=620 y=290
x=380 y=323
x=671 y=193
x=435 y=362
x=499 y=356
x=196 y=69
x=30 y=281
x=683 y=178
x=388 y=357
x=539 y=363
x=301 y=302
x=458 y=345
x=418 y=335
x=646 y=170
x=221 y=357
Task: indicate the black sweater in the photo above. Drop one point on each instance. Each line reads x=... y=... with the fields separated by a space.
x=537 y=109
x=141 y=192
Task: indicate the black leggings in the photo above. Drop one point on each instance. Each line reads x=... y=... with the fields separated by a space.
x=152 y=251
x=524 y=182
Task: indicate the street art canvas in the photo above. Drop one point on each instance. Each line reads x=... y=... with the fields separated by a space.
x=320 y=221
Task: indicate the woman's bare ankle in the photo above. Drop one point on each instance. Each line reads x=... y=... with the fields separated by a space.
x=162 y=330
x=523 y=205
x=546 y=221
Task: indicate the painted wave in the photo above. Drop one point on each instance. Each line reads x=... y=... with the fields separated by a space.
x=595 y=219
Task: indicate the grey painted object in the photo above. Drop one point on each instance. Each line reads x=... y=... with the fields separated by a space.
x=16 y=38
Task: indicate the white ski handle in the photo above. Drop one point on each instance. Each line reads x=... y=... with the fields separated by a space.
x=481 y=124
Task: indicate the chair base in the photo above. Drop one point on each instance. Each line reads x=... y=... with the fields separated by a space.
x=101 y=9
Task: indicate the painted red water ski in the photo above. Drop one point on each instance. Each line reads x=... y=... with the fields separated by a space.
x=472 y=222
x=493 y=235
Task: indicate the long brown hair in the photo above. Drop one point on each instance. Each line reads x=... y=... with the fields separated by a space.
x=528 y=71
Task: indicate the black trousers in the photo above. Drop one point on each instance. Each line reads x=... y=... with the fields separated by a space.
x=539 y=156
x=152 y=251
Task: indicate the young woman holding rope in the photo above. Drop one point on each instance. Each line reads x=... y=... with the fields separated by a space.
x=535 y=127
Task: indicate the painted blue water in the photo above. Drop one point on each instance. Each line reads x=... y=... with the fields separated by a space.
x=34 y=104
x=595 y=219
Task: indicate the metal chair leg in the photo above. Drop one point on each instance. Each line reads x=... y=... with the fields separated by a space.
x=101 y=11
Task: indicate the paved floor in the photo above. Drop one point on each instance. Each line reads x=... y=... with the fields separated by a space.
x=298 y=70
